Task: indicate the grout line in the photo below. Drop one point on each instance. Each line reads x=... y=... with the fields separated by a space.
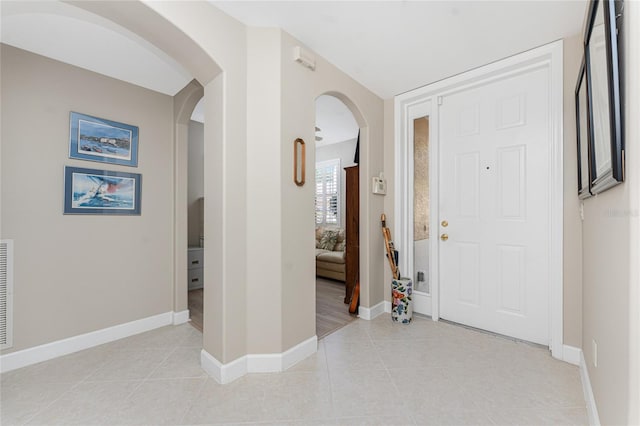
x=193 y=400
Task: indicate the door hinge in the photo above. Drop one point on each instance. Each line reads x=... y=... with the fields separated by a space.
x=439 y=100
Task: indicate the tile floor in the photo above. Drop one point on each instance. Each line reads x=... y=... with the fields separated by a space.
x=367 y=373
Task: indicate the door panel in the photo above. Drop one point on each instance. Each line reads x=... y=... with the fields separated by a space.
x=494 y=180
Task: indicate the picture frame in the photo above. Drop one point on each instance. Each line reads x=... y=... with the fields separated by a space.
x=582 y=134
x=605 y=106
x=105 y=141
x=101 y=192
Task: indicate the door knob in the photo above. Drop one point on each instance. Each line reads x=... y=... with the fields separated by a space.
x=444 y=223
x=444 y=237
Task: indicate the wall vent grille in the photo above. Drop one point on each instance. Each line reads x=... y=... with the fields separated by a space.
x=6 y=294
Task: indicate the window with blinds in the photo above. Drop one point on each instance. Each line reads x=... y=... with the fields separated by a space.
x=328 y=192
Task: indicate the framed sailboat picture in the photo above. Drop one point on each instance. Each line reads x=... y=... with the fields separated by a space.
x=102 y=192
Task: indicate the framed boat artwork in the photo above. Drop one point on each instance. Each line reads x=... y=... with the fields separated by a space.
x=98 y=139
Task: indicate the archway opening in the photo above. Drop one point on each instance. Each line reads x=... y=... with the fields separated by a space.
x=337 y=204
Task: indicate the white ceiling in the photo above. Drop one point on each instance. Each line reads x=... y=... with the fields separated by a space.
x=77 y=37
x=389 y=47
x=336 y=122
x=395 y=46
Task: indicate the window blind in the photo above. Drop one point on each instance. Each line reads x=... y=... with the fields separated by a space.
x=328 y=192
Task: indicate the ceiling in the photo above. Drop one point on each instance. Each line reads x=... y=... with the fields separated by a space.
x=72 y=35
x=392 y=47
x=335 y=120
x=389 y=47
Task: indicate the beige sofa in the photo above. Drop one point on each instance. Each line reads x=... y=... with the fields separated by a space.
x=330 y=263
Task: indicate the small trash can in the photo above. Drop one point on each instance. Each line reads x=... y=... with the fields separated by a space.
x=401 y=305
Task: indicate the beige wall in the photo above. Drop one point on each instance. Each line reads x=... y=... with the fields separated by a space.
x=280 y=217
x=264 y=201
x=301 y=87
x=610 y=265
x=572 y=233
x=223 y=39
x=76 y=274
x=196 y=181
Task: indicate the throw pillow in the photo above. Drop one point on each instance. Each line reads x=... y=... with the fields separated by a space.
x=328 y=240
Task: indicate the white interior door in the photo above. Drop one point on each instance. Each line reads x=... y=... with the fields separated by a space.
x=494 y=176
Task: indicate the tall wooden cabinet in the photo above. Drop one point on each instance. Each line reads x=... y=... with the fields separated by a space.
x=352 y=229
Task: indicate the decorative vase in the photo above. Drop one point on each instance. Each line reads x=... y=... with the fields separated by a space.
x=401 y=305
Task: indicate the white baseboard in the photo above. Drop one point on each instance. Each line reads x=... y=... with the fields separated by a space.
x=571 y=354
x=592 y=409
x=387 y=306
x=223 y=373
x=181 y=317
x=299 y=352
x=371 y=313
x=25 y=357
x=257 y=363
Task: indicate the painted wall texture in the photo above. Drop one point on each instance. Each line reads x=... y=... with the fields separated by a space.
x=76 y=274
x=610 y=235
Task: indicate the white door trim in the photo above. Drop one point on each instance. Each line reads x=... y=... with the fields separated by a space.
x=406 y=107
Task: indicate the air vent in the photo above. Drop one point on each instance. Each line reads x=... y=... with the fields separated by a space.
x=6 y=294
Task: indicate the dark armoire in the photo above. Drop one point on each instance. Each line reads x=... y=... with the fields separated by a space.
x=352 y=231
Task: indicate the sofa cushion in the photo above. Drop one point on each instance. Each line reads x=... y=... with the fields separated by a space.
x=329 y=239
x=331 y=257
x=328 y=266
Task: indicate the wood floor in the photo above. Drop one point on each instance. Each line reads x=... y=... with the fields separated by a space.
x=331 y=311
x=195 y=307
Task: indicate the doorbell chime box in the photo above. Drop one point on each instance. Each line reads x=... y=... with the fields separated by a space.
x=379 y=185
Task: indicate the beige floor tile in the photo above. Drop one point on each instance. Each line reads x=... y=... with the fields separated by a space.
x=130 y=365
x=192 y=340
x=419 y=328
x=541 y=417
x=358 y=393
x=355 y=331
x=297 y=396
x=71 y=368
x=88 y=404
x=21 y=401
x=368 y=373
x=159 y=402
x=453 y=418
x=162 y=338
x=397 y=420
x=182 y=363
x=316 y=362
x=239 y=401
x=356 y=355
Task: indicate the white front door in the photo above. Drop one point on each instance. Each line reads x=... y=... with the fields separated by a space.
x=494 y=178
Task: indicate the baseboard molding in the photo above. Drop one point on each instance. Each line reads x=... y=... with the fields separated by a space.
x=181 y=317
x=370 y=313
x=592 y=409
x=25 y=357
x=299 y=352
x=387 y=307
x=223 y=373
x=571 y=354
x=257 y=363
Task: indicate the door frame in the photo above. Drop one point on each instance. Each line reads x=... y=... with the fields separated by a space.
x=411 y=104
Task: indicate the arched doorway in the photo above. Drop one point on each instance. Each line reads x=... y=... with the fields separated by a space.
x=337 y=202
